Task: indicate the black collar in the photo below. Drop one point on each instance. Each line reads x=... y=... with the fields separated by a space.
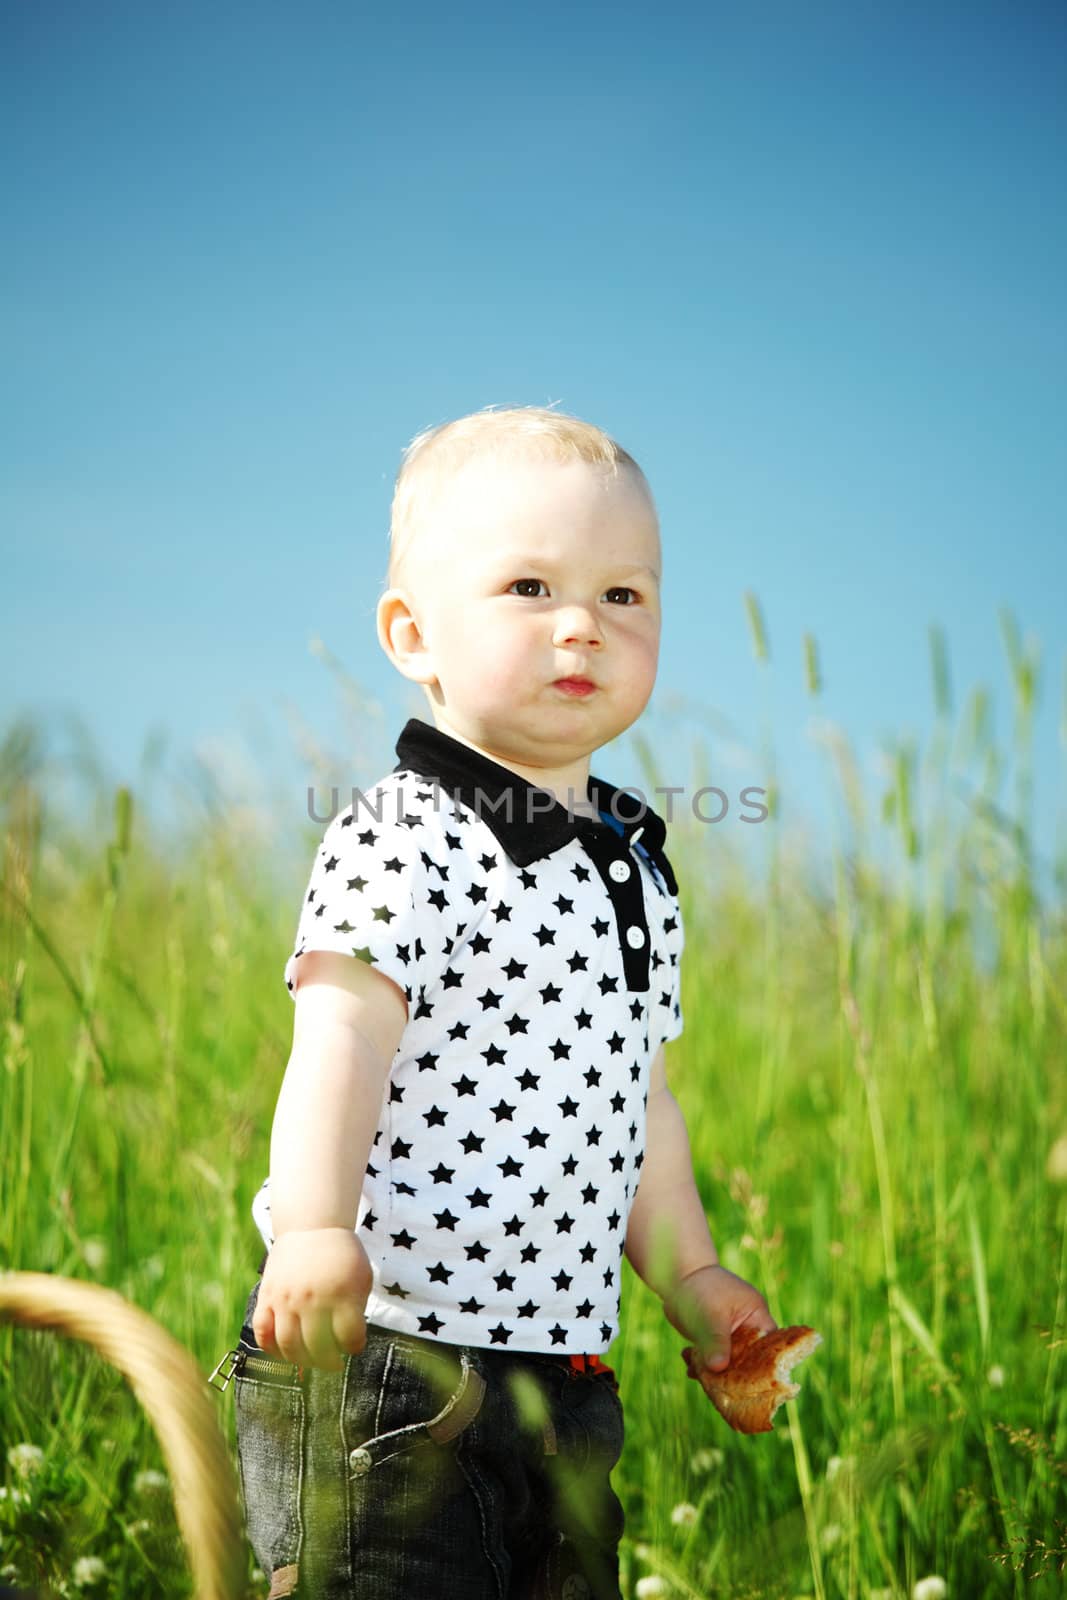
x=503 y=801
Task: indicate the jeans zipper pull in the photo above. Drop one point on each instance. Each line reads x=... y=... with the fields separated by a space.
x=237 y=1359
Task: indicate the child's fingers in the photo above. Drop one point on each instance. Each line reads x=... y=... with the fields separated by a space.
x=263 y=1329
x=349 y=1327
x=289 y=1339
x=317 y=1329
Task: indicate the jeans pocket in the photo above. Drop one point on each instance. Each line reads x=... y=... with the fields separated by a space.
x=608 y=1423
x=422 y=1395
x=270 y=1421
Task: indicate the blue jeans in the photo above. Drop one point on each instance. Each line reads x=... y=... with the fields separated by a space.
x=429 y=1471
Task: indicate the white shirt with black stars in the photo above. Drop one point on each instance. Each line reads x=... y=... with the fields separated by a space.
x=539 y=951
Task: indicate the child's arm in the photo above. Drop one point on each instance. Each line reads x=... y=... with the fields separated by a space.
x=667 y=1235
x=348 y=1024
x=668 y=1242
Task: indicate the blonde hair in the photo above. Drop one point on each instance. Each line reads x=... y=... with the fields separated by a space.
x=530 y=432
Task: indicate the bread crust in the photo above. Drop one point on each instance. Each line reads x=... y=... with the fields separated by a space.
x=757 y=1381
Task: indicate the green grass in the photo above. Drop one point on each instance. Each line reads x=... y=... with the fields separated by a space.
x=874 y=1084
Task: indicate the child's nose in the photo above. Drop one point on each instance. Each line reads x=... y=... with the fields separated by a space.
x=578 y=625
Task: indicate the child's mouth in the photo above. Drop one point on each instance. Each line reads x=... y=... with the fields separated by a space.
x=575 y=686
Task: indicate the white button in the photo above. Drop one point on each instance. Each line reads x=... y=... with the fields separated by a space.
x=619 y=870
x=635 y=938
x=359 y=1462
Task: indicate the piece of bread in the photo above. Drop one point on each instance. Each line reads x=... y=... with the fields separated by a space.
x=750 y=1390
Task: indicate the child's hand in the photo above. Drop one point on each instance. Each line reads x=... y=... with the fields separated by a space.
x=708 y=1305
x=311 y=1299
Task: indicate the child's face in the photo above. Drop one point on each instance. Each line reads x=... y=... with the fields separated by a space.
x=537 y=572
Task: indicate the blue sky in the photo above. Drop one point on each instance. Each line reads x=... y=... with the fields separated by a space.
x=806 y=263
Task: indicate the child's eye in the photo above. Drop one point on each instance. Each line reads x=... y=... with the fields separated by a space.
x=634 y=596
x=520 y=581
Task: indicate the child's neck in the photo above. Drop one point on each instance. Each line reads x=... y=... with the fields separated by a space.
x=569 y=784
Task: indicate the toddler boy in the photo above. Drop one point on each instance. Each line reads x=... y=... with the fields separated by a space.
x=474 y=1123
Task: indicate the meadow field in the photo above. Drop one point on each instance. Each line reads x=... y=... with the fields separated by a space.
x=873 y=1075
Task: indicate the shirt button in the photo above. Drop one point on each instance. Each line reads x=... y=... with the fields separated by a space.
x=359 y=1462
x=635 y=937
x=619 y=870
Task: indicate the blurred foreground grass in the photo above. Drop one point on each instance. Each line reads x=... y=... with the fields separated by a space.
x=873 y=1078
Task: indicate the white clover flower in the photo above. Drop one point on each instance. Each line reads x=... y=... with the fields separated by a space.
x=95 y=1253
x=708 y=1460
x=1056 y=1166
x=88 y=1570
x=932 y=1588
x=684 y=1515
x=150 y=1482
x=650 y=1588
x=26 y=1459
x=995 y=1377
x=14 y=1497
x=830 y=1535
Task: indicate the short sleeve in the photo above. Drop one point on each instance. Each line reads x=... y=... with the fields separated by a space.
x=671 y=1019
x=369 y=896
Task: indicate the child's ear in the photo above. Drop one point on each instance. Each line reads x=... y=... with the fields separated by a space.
x=400 y=636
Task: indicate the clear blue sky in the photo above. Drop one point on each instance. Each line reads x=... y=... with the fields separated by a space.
x=805 y=262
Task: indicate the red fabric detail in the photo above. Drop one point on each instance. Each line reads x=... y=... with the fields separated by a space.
x=586 y=1363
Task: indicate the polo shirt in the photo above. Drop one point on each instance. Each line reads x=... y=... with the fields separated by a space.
x=539 y=951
